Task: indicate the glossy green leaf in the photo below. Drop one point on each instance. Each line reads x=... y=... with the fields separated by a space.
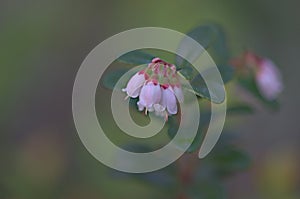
x=110 y=79
x=219 y=50
x=188 y=72
x=216 y=93
x=226 y=71
x=136 y=57
x=199 y=86
x=211 y=37
x=205 y=35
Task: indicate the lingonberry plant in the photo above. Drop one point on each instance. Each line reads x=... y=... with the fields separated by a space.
x=157 y=88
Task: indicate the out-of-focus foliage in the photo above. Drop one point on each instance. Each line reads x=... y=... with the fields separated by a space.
x=42 y=46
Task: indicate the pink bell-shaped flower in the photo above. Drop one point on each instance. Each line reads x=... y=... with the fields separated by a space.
x=150 y=95
x=168 y=100
x=269 y=80
x=135 y=84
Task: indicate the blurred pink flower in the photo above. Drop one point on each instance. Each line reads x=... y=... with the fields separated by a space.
x=268 y=79
x=267 y=76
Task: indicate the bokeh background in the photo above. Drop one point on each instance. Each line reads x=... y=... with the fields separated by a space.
x=42 y=44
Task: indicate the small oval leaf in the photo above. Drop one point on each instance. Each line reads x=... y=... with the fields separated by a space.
x=137 y=57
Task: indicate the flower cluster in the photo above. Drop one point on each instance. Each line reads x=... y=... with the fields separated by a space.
x=157 y=87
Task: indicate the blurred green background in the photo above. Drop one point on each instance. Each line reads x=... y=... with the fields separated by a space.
x=42 y=44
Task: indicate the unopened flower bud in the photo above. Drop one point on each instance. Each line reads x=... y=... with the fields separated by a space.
x=268 y=79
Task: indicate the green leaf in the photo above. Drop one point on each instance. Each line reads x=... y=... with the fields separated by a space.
x=188 y=71
x=137 y=57
x=110 y=79
x=216 y=93
x=226 y=71
x=219 y=50
x=212 y=38
x=250 y=85
x=204 y=35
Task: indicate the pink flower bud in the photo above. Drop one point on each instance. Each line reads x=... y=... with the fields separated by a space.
x=267 y=76
x=268 y=79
